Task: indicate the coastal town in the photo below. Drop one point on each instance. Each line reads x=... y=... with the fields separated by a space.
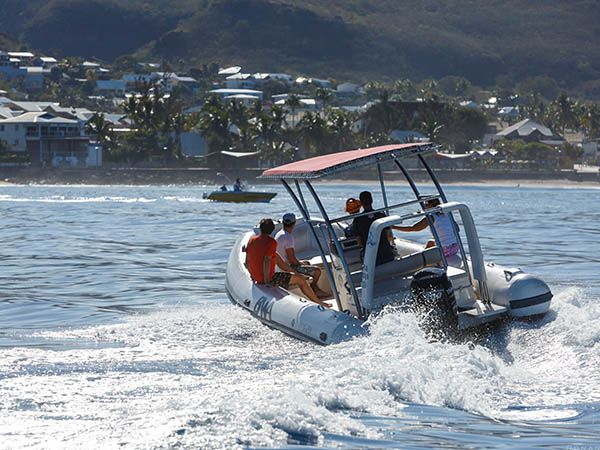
x=84 y=114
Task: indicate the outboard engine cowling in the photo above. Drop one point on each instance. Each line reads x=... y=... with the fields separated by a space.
x=431 y=288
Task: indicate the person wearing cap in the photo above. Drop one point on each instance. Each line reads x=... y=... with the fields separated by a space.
x=446 y=229
x=352 y=207
x=286 y=249
x=262 y=257
x=362 y=224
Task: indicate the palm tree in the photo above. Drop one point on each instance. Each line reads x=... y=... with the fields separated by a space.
x=430 y=126
x=562 y=112
x=325 y=96
x=374 y=89
x=404 y=88
x=272 y=135
x=314 y=133
x=430 y=90
x=342 y=134
x=590 y=120
x=214 y=125
x=99 y=127
x=293 y=102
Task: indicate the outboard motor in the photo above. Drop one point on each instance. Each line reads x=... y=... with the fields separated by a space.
x=433 y=296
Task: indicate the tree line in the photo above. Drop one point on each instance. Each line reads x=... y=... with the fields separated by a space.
x=278 y=134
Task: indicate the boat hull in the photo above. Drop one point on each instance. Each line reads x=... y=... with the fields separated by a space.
x=285 y=311
x=512 y=293
x=523 y=294
x=241 y=197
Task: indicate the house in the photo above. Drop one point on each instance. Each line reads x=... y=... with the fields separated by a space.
x=229 y=71
x=348 y=89
x=470 y=104
x=23 y=107
x=47 y=62
x=262 y=77
x=314 y=81
x=9 y=67
x=246 y=99
x=114 y=88
x=306 y=105
x=508 y=113
x=47 y=138
x=170 y=81
x=240 y=81
x=530 y=131
x=23 y=57
x=34 y=77
x=192 y=144
x=81 y=115
x=451 y=161
x=405 y=136
x=228 y=92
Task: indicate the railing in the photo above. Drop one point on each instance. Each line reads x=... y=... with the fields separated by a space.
x=372 y=246
x=422 y=199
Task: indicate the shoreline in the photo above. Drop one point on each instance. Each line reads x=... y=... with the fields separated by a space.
x=209 y=177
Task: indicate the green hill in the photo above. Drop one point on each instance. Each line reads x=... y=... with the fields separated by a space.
x=355 y=39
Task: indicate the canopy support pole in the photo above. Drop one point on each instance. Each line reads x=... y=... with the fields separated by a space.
x=382 y=184
x=433 y=178
x=301 y=197
x=339 y=249
x=306 y=216
x=413 y=186
x=415 y=189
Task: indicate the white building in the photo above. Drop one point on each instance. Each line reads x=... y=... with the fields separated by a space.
x=46 y=137
x=229 y=92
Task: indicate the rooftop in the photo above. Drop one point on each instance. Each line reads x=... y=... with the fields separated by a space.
x=38 y=117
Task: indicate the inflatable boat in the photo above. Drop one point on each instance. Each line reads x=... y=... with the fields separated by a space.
x=473 y=291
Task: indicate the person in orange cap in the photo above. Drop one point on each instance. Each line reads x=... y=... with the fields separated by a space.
x=352 y=207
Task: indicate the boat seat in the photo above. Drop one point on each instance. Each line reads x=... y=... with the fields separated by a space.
x=407 y=265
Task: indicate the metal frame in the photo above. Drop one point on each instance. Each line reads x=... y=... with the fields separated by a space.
x=340 y=251
x=368 y=271
x=306 y=215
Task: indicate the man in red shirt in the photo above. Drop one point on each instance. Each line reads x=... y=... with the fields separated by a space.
x=261 y=257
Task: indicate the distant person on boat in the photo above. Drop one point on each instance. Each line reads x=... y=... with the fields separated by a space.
x=445 y=229
x=237 y=186
x=352 y=207
x=361 y=225
x=261 y=258
x=286 y=249
x=223 y=188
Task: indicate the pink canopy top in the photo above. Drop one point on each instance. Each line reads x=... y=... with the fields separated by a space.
x=337 y=162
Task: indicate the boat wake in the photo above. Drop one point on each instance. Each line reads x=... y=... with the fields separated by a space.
x=213 y=376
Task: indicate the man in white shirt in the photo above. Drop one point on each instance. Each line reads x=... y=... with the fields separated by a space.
x=286 y=249
x=447 y=232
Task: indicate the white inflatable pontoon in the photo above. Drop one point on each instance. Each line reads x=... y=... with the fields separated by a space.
x=475 y=292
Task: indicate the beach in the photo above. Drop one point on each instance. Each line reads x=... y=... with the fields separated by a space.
x=211 y=176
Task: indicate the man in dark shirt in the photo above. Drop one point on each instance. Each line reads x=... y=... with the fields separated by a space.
x=361 y=225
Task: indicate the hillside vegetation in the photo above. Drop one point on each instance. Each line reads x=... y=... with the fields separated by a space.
x=486 y=41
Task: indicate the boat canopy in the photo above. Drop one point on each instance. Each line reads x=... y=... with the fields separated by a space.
x=324 y=165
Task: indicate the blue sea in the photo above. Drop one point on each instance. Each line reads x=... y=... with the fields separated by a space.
x=116 y=332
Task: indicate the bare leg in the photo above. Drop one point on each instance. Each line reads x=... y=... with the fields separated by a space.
x=306 y=289
x=315 y=286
